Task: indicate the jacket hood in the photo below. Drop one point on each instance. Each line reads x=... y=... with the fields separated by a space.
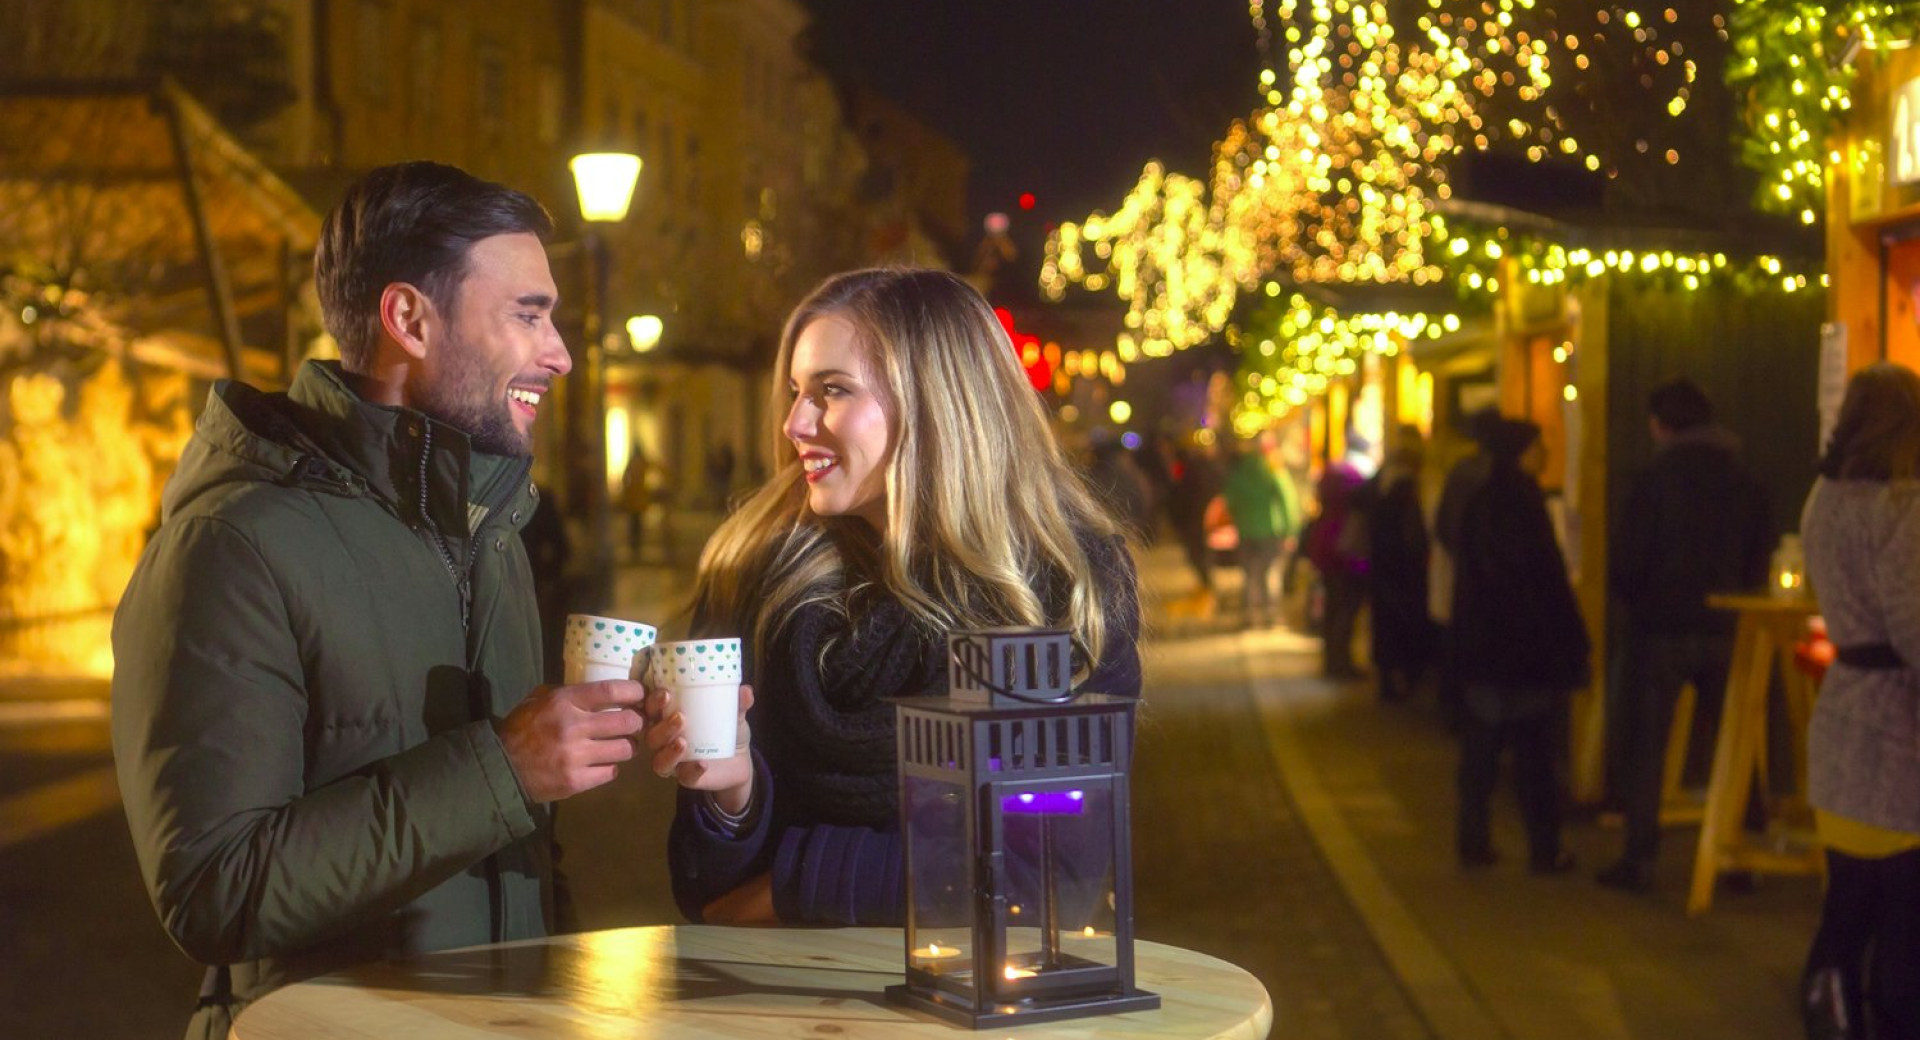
x=244 y=436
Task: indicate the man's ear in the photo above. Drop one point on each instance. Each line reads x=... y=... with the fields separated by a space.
x=408 y=318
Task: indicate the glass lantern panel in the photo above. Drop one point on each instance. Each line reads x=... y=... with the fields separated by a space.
x=1059 y=844
x=940 y=928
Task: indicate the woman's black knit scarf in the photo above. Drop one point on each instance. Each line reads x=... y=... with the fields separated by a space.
x=820 y=714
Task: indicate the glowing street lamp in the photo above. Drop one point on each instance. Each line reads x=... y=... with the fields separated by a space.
x=605 y=183
x=643 y=331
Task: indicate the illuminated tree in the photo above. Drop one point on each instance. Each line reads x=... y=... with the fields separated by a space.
x=1332 y=182
x=1342 y=176
x=1794 y=67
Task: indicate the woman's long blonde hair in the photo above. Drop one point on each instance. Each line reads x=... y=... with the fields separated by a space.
x=984 y=514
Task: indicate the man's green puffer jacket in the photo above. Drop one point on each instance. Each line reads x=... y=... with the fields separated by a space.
x=307 y=663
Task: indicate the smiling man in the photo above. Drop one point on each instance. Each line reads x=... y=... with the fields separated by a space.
x=327 y=720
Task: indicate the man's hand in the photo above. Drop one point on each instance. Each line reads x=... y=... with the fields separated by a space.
x=730 y=779
x=563 y=740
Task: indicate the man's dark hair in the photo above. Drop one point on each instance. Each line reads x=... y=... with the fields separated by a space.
x=1680 y=405
x=411 y=222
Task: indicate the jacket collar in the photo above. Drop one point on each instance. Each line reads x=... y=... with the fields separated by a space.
x=423 y=467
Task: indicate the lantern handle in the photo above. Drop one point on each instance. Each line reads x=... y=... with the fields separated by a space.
x=971 y=670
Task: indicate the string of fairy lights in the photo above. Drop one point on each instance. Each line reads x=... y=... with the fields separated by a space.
x=1794 y=64
x=1313 y=344
x=1340 y=177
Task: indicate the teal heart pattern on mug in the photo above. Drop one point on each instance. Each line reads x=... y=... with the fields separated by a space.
x=606 y=640
x=698 y=662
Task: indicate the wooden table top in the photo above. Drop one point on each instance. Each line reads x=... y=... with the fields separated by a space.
x=697 y=981
x=1762 y=601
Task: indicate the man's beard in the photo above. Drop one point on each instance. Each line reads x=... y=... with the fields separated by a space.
x=465 y=399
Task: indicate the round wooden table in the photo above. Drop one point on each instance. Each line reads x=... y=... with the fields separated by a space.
x=696 y=981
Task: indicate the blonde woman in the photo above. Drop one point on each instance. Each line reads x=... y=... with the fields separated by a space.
x=921 y=491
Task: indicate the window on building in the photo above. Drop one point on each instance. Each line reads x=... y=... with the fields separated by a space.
x=490 y=89
x=371 y=58
x=692 y=179
x=424 y=88
x=611 y=119
x=642 y=137
x=664 y=166
x=552 y=103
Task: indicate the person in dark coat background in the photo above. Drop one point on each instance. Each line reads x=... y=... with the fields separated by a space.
x=1695 y=523
x=1462 y=483
x=1120 y=484
x=1341 y=559
x=1196 y=479
x=1523 y=649
x=1403 y=635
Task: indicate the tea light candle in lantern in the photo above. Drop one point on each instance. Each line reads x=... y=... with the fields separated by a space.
x=1789 y=568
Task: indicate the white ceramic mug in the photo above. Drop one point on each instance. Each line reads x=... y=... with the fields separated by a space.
x=601 y=648
x=704 y=676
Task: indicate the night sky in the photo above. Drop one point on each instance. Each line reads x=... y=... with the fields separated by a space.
x=1066 y=99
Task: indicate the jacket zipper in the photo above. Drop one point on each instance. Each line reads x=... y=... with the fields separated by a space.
x=461 y=582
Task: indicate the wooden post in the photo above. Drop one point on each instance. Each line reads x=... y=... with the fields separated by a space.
x=1586 y=485
x=219 y=289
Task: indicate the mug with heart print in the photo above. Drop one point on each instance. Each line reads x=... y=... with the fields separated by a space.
x=704 y=677
x=601 y=648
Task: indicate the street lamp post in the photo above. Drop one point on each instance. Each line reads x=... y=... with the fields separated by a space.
x=605 y=183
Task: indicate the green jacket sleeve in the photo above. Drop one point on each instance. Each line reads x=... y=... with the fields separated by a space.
x=241 y=858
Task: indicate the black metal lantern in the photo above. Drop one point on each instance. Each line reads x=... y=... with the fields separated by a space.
x=1013 y=806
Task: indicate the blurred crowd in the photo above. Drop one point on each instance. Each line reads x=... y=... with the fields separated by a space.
x=1461 y=574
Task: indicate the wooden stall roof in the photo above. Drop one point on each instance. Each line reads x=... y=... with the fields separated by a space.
x=92 y=189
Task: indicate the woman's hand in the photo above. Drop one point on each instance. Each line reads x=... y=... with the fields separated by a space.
x=729 y=779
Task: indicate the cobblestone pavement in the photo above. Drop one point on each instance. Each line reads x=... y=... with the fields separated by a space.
x=1227 y=865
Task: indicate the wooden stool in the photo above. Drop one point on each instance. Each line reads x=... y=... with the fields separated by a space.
x=1677 y=804
x=1764 y=637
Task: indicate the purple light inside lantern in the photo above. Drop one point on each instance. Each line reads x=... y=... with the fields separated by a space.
x=1051 y=803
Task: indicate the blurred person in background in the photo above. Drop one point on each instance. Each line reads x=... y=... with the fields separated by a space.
x=1462 y=482
x=1523 y=649
x=1337 y=547
x=1118 y=481
x=1404 y=637
x=1196 y=481
x=1695 y=522
x=1264 y=516
x=1861 y=529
